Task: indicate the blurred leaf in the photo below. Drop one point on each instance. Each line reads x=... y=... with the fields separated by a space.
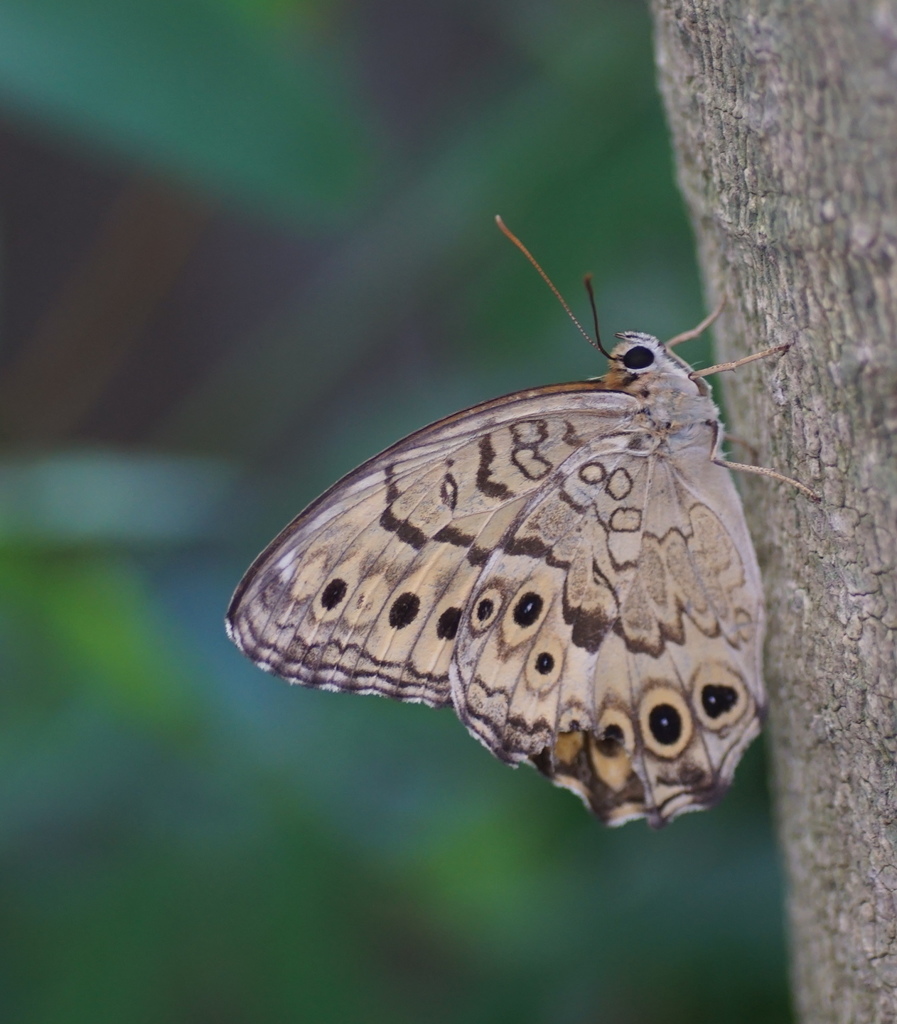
x=107 y=497
x=193 y=88
x=279 y=12
x=90 y=618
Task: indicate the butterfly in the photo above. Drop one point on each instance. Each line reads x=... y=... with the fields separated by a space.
x=569 y=567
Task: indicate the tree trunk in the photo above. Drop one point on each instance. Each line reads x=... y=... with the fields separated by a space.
x=784 y=118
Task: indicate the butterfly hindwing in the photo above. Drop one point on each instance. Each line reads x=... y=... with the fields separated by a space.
x=596 y=628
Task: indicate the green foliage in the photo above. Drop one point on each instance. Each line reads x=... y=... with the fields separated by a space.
x=198 y=88
x=183 y=838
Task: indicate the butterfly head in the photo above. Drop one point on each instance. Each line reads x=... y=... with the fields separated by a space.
x=643 y=356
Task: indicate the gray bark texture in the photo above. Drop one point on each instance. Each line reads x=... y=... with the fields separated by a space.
x=784 y=119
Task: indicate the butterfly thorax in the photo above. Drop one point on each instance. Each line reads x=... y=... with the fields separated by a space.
x=675 y=410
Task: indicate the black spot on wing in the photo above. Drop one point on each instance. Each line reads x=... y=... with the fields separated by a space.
x=404 y=610
x=333 y=593
x=447 y=626
x=665 y=724
x=527 y=609
x=717 y=700
x=544 y=663
x=610 y=742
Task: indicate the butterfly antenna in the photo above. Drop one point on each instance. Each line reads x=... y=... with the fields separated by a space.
x=510 y=234
x=587 y=281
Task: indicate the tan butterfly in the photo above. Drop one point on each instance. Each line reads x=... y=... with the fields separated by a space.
x=568 y=566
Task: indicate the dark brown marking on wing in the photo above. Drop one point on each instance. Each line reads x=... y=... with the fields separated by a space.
x=448 y=492
x=407 y=683
x=452 y=535
x=404 y=531
x=477 y=555
x=530 y=464
x=619 y=483
x=485 y=710
x=528 y=436
x=569 y=502
x=571 y=437
x=589 y=627
x=491 y=488
x=517 y=730
x=519 y=432
x=603 y=801
x=413 y=536
x=674 y=633
x=531 y=546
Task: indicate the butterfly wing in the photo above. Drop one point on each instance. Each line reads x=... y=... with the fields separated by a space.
x=614 y=636
x=586 y=604
x=366 y=588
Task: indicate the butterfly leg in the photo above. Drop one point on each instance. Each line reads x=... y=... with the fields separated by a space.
x=721 y=367
x=742 y=467
x=696 y=332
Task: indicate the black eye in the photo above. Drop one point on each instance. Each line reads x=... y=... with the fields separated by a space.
x=612 y=734
x=717 y=700
x=638 y=357
x=665 y=724
x=544 y=663
x=610 y=742
x=527 y=609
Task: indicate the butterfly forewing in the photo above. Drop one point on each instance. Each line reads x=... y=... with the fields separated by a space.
x=365 y=589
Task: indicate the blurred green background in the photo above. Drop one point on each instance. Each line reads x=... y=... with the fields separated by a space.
x=245 y=245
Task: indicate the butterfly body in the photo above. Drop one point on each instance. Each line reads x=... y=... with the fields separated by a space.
x=567 y=566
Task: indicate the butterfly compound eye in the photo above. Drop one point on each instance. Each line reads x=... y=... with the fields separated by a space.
x=639 y=357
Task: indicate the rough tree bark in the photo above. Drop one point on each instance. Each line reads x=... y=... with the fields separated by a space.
x=784 y=117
